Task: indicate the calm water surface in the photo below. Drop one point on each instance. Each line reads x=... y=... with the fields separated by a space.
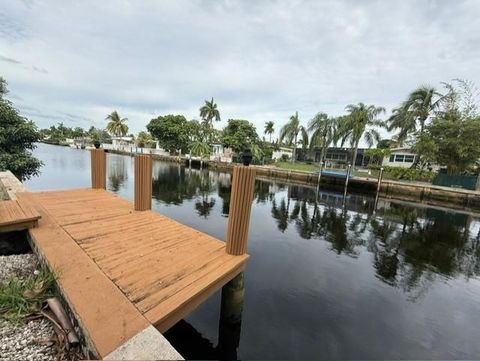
x=322 y=281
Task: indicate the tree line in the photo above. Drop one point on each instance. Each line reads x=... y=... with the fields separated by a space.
x=440 y=127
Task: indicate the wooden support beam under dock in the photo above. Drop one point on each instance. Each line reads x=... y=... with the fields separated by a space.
x=123 y=270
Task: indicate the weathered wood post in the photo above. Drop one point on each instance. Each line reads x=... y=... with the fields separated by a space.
x=143 y=182
x=99 y=169
x=240 y=208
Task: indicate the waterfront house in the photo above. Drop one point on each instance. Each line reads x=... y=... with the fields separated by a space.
x=282 y=152
x=334 y=157
x=401 y=157
x=221 y=153
x=122 y=142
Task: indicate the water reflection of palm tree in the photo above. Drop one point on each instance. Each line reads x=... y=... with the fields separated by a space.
x=171 y=186
x=262 y=191
x=333 y=227
x=385 y=248
x=205 y=204
x=281 y=214
x=409 y=245
x=306 y=226
x=117 y=174
x=224 y=193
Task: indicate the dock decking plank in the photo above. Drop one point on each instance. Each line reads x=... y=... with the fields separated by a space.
x=15 y=216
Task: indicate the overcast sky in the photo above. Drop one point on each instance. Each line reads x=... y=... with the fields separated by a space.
x=76 y=61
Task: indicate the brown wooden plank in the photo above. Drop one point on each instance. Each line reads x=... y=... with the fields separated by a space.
x=163 y=247
x=20 y=226
x=12 y=213
x=157 y=280
x=165 y=315
x=106 y=226
x=173 y=255
x=189 y=283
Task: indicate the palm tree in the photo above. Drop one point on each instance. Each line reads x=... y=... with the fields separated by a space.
x=290 y=133
x=116 y=126
x=200 y=148
x=414 y=112
x=269 y=129
x=324 y=132
x=209 y=112
x=358 y=123
x=144 y=139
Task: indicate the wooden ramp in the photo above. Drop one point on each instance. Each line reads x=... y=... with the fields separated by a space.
x=122 y=270
x=17 y=217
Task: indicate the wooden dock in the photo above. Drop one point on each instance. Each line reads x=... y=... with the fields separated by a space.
x=15 y=216
x=122 y=270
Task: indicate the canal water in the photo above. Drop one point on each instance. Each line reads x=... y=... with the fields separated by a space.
x=323 y=281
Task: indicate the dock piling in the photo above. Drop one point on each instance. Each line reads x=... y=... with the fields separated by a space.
x=143 y=182
x=240 y=207
x=99 y=169
x=230 y=324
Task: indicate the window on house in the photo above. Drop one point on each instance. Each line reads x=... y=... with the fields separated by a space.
x=392 y=158
x=399 y=158
x=409 y=158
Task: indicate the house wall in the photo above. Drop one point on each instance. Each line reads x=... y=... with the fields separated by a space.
x=221 y=154
x=400 y=158
x=277 y=154
x=335 y=156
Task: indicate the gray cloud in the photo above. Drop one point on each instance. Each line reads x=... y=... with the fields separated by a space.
x=18 y=62
x=261 y=60
x=9 y=60
x=40 y=70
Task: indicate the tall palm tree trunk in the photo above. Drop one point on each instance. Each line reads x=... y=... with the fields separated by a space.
x=322 y=155
x=294 y=153
x=354 y=156
x=417 y=156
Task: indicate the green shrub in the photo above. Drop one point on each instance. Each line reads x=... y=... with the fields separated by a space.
x=409 y=174
x=284 y=158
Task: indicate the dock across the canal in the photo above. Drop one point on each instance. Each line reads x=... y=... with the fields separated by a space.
x=124 y=268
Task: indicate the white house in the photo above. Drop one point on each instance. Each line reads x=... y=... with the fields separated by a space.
x=221 y=154
x=277 y=154
x=121 y=142
x=401 y=157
